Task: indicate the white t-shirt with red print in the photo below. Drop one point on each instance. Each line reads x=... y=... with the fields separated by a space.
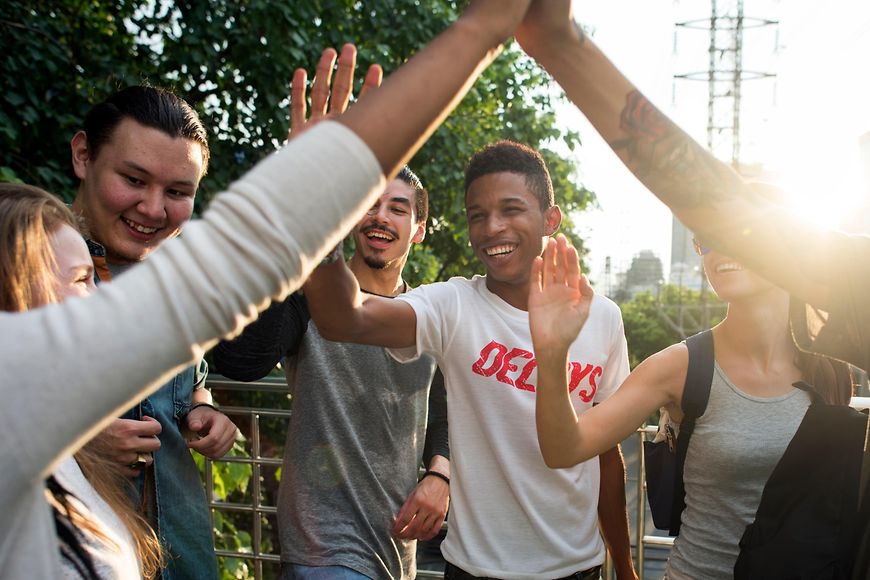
x=511 y=516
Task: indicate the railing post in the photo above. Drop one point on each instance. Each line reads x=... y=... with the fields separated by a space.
x=640 y=517
x=255 y=491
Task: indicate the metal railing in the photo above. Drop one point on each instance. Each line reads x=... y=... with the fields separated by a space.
x=260 y=507
x=264 y=460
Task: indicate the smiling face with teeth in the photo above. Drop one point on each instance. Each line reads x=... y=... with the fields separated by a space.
x=507 y=228
x=384 y=236
x=731 y=281
x=138 y=190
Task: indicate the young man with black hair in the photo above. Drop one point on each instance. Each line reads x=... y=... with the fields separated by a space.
x=139 y=159
x=512 y=517
x=349 y=503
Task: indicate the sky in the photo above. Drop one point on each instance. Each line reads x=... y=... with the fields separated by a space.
x=804 y=124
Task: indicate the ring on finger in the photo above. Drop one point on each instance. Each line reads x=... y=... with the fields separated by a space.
x=141 y=460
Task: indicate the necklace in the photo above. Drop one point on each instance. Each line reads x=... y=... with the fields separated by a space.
x=404 y=289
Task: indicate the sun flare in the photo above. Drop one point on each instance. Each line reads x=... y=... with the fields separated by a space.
x=822 y=178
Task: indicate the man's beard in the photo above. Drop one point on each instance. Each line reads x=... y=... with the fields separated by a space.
x=375 y=262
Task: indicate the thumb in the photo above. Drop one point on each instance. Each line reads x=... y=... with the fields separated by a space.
x=196 y=423
x=403 y=518
x=585 y=287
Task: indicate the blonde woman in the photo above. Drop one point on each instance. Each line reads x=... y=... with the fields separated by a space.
x=44 y=260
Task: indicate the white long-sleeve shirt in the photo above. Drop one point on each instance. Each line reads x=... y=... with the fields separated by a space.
x=66 y=370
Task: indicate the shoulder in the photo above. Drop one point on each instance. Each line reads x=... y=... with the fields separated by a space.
x=666 y=369
x=453 y=287
x=675 y=356
x=605 y=307
x=462 y=284
x=673 y=359
x=605 y=324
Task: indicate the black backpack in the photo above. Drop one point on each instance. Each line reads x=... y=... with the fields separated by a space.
x=664 y=460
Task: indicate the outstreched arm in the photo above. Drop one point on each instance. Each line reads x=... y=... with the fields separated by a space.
x=260 y=347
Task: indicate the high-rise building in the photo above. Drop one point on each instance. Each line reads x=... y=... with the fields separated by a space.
x=686 y=269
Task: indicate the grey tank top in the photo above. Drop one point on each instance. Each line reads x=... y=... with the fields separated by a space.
x=736 y=444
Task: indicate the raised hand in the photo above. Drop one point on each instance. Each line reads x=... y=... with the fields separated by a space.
x=546 y=23
x=496 y=17
x=559 y=298
x=328 y=99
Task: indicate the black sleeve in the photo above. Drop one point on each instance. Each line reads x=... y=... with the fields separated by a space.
x=436 y=427
x=277 y=332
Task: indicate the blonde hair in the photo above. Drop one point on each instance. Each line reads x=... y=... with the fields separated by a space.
x=28 y=218
x=115 y=489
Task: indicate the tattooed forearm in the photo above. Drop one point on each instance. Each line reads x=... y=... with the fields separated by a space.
x=676 y=168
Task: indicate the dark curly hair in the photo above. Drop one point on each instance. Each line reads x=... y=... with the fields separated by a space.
x=512 y=157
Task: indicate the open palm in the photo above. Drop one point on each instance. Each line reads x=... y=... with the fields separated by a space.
x=328 y=99
x=559 y=298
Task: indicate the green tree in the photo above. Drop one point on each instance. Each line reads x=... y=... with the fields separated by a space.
x=653 y=323
x=233 y=61
x=57 y=58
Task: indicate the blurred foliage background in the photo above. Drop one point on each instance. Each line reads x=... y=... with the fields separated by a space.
x=233 y=61
x=654 y=322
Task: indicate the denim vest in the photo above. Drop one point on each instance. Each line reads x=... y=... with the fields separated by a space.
x=171 y=490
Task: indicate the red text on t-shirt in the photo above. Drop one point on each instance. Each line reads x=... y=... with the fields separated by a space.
x=514 y=366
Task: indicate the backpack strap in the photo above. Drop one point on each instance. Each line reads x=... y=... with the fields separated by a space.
x=696 y=393
x=814 y=394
